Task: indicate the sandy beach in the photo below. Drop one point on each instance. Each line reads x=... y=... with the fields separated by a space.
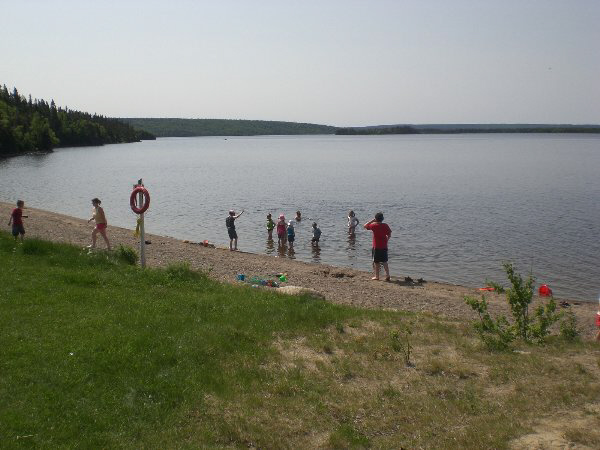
x=338 y=285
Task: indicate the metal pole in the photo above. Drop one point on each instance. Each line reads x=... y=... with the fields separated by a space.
x=142 y=235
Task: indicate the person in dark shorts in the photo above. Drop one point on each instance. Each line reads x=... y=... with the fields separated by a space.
x=291 y=233
x=381 y=235
x=16 y=220
x=230 y=223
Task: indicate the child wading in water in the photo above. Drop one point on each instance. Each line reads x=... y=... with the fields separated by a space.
x=230 y=223
x=101 y=223
x=270 y=226
x=16 y=219
x=281 y=230
x=352 y=222
x=381 y=235
x=598 y=321
x=291 y=233
x=316 y=234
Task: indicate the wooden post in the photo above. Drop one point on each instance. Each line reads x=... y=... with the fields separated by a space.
x=142 y=235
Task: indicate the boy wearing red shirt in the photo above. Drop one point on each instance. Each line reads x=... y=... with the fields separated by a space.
x=381 y=235
x=16 y=219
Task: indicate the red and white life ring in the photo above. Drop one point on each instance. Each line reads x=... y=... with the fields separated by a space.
x=133 y=200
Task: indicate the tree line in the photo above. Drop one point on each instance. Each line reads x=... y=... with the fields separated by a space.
x=28 y=125
x=404 y=129
x=174 y=127
x=465 y=129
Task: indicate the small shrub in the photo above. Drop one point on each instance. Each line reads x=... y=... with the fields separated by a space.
x=545 y=317
x=401 y=343
x=568 y=327
x=127 y=255
x=519 y=298
x=497 y=335
x=498 y=288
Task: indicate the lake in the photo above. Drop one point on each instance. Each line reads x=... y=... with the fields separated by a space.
x=458 y=205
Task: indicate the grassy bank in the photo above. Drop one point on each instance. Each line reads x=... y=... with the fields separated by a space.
x=97 y=353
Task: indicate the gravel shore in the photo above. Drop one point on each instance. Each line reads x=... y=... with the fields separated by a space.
x=338 y=285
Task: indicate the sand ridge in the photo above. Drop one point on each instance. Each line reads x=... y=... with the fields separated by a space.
x=339 y=285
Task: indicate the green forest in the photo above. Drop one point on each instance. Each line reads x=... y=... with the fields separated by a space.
x=170 y=127
x=32 y=125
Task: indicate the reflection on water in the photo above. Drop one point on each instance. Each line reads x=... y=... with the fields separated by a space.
x=282 y=250
x=270 y=247
x=351 y=247
x=316 y=252
x=291 y=252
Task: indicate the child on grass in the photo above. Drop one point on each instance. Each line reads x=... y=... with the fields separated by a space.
x=100 y=218
x=16 y=220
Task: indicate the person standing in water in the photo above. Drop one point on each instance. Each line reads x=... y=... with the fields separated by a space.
x=281 y=230
x=381 y=236
x=291 y=233
x=230 y=223
x=352 y=222
x=270 y=226
x=101 y=223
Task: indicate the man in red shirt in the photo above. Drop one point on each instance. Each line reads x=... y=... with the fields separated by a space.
x=381 y=235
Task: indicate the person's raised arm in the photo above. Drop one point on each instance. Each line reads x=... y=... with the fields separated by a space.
x=239 y=214
x=366 y=226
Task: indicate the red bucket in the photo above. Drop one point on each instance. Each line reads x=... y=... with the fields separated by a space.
x=545 y=291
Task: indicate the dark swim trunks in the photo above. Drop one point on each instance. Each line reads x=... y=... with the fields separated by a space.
x=380 y=255
x=18 y=229
x=232 y=233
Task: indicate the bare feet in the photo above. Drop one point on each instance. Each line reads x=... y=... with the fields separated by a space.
x=387 y=278
x=375 y=279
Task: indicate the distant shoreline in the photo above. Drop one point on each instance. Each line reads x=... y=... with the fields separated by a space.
x=176 y=127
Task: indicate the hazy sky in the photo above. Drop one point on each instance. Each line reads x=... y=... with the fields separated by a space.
x=332 y=62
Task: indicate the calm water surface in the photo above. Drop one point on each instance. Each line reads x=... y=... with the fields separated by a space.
x=458 y=205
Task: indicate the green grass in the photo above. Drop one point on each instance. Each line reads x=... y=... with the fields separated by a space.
x=97 y=353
